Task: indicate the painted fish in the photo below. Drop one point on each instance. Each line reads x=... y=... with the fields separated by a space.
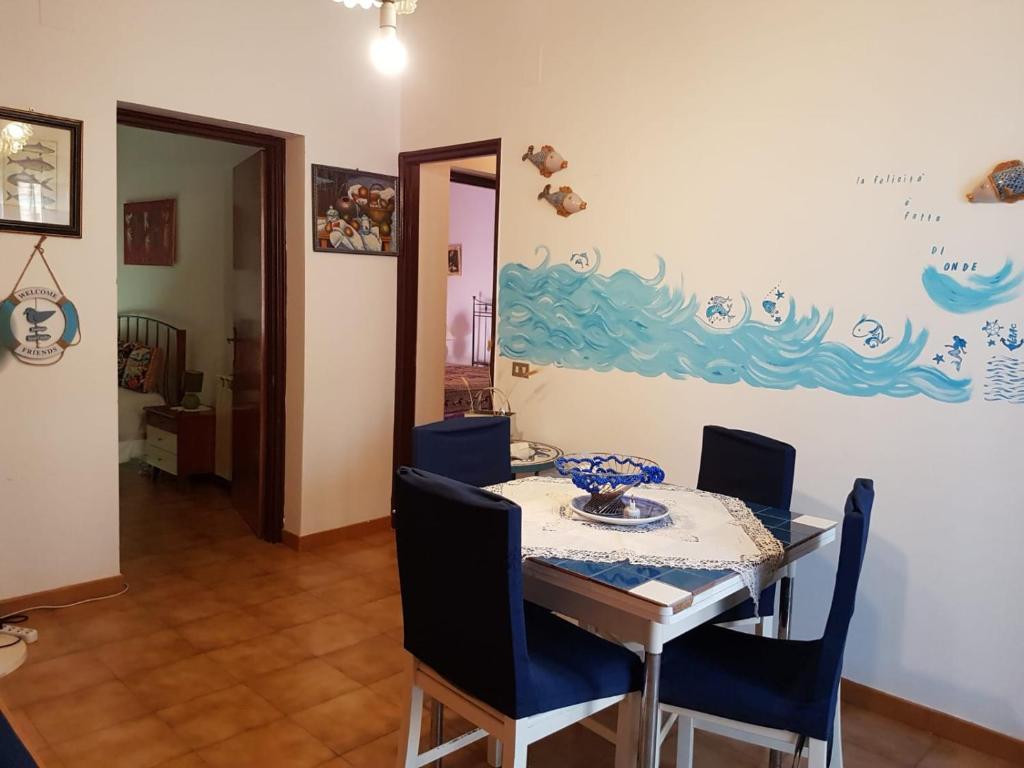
x=47 y=200
x=1004 y=185
x=38 y=148
x=565 y=201
x=548 y=161
x=719 y=307
x=31 y=163
x=871 y=331
x=23 y=178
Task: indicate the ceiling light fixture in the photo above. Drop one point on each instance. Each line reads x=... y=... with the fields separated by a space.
x=14 y=137
x=387 y=52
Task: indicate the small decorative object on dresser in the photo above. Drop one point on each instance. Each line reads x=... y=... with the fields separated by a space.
x=41 y=173
x=180 y=442
x=193 y=386
x=150 y=233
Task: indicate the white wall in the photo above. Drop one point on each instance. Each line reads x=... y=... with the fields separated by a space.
x=194 y=294
x=471 y=223
x=727 y=137
x=259 y=63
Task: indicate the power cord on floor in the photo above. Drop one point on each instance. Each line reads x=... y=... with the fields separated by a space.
x=22 y=615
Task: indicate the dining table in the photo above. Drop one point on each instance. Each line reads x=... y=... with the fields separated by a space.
x=647 y=606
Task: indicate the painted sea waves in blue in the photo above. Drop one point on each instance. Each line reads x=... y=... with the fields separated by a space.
x=977 y=293
x=558 y=315
x=1005 y=379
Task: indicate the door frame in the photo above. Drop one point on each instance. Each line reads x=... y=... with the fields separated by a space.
x=272 y=406
x=408 y=279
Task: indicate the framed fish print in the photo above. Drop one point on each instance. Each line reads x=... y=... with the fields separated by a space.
x=150 y=233
x=354 y=211
x=40 y=174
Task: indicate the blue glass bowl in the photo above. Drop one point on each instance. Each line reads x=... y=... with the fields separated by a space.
x=607 y=476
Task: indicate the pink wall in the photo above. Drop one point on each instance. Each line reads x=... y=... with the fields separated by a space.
x=470 y=222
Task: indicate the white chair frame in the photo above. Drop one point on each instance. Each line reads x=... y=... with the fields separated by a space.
x=510 y=737
x=688 y=721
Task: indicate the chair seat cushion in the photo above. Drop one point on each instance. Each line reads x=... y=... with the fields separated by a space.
x=569 y=665
x=756 y=680
x=13 y=753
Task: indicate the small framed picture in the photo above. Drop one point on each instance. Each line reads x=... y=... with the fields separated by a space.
x=354 y=211
x=455 y=259
x=150 y=233
x=41 y=173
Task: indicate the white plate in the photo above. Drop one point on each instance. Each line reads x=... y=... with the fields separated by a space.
x=652 y=512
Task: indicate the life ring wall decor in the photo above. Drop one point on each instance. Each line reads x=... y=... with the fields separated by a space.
x=37 y=324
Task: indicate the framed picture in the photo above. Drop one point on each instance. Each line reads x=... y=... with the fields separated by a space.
x=41 y=172
x=455 y=259
x=150 y=233
x=354 y=211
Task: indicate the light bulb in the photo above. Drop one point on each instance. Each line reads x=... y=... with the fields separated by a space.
x=387 y=52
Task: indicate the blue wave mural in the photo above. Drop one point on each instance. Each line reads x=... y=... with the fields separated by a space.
x=977 y=293
x=554 y=314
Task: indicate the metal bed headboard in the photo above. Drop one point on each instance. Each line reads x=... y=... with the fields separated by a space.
x=156 y=333
x=483 y=317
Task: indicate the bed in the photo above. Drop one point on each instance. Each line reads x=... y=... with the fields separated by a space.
x=459 y=381
x=171 y=342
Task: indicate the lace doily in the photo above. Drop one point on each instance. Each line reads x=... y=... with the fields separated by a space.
x=704 y=530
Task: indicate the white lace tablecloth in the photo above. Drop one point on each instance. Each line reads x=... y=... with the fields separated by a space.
x=703 y=530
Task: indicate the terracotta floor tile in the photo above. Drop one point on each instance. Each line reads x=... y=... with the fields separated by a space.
x=323 y=575
x=190 y=606
x=946 y=754
x=117 y=626
x=281 y=744
x=218 y=716
x=289 y=611
x=222 y=630
x=379 y=752
x=897 y=742
x=86 y=710
x=370 y=660
x=54 y=677
x=158 y=589
x=179 y=682
x=142 y=743
x=368 y=558
x=302 y=686
x=350 y=720
x=393 y=687
x=330 y=633
x=258 y=589
x=338 y=762
x=229 y=570
x=383 y=614
x=126 y=657
x=356 y=591
x=27 y=731
x=191 y=760
x=260 y=655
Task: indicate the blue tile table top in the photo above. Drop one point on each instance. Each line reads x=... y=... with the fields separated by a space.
x=674 y=586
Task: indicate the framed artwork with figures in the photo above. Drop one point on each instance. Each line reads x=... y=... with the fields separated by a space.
x=354 y=211
x=40 y=174
x=150 y=233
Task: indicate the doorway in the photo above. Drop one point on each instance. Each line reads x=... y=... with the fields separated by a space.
x=187 y=434
x=421 y=334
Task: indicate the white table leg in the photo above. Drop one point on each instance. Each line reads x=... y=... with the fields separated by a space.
x=650 y=720
x=785 y=616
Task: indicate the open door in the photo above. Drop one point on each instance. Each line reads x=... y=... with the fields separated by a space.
x=247 y=439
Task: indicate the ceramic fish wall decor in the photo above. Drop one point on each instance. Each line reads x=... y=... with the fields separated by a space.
x=1004 y=185
x=565 y=201
x=548 y=161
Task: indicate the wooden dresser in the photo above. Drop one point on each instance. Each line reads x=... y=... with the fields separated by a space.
x=180 y=442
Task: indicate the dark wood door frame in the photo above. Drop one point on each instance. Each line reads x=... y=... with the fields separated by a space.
x=274 y=295
x=408 y=278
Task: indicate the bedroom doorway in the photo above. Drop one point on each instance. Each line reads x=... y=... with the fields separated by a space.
x=439 y=345
x=201 y=292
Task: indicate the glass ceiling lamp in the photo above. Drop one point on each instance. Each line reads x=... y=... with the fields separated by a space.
x=387 y=52
x=14 y=137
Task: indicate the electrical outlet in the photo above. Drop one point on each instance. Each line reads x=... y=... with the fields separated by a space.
x=521 y=370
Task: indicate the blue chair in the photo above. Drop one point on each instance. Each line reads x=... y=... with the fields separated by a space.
x=780 y=694
x=13 y=753
x=517 y=672
x=474 y=450
x=757 y=469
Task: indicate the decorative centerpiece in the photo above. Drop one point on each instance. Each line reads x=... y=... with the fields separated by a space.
x=606 y=477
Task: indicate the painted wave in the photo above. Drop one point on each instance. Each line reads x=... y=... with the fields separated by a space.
x=978 y=293
x=1004 y=379
x=556 y=315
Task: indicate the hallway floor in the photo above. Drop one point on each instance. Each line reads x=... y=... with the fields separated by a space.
x=228 y=651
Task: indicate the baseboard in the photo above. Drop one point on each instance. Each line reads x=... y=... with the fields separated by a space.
x=72 y=593
x=334 y=535
x=963 y=732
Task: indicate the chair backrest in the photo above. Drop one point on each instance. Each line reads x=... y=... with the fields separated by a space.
x=748 y=466
x=856 y=522
x=460 y=568
x=474 y=450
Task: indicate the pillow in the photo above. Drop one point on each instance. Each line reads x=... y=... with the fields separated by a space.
x=142 y=369
x=124 y=349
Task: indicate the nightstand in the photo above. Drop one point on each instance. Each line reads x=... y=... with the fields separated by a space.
x=180 y=442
